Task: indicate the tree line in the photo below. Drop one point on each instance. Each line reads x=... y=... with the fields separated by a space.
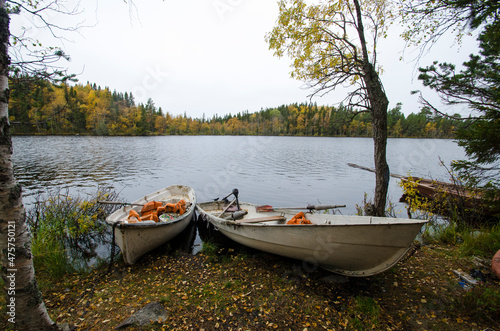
x=42 y=107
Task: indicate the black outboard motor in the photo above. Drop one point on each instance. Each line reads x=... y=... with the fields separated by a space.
x=235 y=193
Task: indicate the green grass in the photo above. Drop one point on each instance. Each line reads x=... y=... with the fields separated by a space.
x=366 y=313
x=49 y=255
x=483 y=241
x=210 y=249
x=481 y=302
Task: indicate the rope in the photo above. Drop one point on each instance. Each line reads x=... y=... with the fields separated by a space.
x=415 y=246
x=112 y=257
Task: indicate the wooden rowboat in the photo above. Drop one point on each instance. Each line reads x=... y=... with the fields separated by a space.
x=356 y=246
x=429 y=188
x=136 y=239
x=456 y=193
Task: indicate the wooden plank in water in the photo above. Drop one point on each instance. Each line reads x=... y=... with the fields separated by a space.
x=353 y=165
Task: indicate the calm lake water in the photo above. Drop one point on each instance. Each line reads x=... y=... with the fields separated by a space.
x=279 y=171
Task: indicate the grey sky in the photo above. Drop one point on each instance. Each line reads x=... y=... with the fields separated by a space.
x=208 y=56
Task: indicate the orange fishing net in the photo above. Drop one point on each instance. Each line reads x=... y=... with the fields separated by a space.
x=153 y=209
x=300 y=218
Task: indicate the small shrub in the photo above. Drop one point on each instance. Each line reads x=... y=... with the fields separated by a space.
x=367 y=208
x=67 y=230
x=483 y=241
x=416 y=206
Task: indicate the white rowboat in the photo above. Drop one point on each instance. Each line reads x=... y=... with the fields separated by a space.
x=356 y=246
x=136 y=239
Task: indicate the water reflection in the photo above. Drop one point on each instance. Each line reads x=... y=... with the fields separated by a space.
x=208 y=233
x=187 y=241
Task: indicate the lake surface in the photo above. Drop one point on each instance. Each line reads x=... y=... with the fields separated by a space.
x=279 y=171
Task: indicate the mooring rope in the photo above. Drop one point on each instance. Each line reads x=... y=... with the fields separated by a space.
x=112 y=257
x=415 y=246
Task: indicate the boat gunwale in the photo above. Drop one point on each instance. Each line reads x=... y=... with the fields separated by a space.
x=390 y=220
x=143 y=225
x=146 y=224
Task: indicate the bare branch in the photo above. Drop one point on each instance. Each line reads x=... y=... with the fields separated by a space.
x=28 y=55
x=425 y=102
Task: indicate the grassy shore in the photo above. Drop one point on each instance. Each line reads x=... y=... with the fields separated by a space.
x=251 y=290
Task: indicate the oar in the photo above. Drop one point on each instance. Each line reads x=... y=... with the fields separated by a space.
x=120 y=203
x=309 y=207
x=225 y=209
x=235 y=193
x=188 y=204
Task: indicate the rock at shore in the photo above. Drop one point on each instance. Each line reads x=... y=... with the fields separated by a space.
x=152 y=312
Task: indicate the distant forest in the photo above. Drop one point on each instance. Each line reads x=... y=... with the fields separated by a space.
x=40 y=107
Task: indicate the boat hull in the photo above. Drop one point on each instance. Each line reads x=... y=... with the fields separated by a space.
x=136 y=239
x=349 y=245
x=432 y=189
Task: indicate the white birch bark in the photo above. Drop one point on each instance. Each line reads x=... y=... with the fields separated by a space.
x=25 y=307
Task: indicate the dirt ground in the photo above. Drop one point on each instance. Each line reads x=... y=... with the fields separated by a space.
x=249 y=290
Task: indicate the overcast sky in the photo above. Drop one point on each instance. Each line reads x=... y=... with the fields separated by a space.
x=207 y=57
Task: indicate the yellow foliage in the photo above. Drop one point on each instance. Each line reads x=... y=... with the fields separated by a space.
x=415 y=202
x=428 y=206
x=324 y=39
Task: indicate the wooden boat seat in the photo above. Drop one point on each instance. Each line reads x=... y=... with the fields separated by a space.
x=262 y=219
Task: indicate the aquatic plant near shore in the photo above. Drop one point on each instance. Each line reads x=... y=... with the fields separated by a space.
x=366 y=208
x=66 y=230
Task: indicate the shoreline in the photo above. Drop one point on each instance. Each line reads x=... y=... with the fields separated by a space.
x=209 y=135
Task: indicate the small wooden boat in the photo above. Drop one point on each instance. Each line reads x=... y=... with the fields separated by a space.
x=349 y=245
x=429 y=188
x=455 y=193
x=136 y=239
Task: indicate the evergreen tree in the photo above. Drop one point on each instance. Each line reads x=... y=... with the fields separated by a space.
x=477 y=87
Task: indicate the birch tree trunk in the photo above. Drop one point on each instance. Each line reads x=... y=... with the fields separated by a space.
x=25 y=307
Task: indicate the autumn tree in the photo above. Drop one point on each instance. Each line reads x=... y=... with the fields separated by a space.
x=333 y=44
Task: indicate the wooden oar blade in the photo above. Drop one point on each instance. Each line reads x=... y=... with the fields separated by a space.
x=120 y=203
